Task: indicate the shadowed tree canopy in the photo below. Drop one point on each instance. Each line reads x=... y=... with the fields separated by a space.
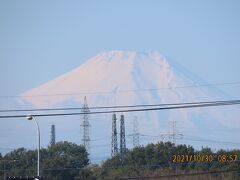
x=61 y=161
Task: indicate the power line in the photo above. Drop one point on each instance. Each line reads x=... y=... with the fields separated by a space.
x=183 y=174
x=145 y=166
x=167 y=164
x=209 y=104
x=111 y=107
x=209 y=140
x=198 y=139
x=101 y=138
x=126 y=91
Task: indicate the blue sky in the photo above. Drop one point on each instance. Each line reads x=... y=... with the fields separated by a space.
x=40 y=40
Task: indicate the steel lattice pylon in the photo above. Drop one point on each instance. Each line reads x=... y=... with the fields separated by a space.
x=114 y=148
x=135 y=132
x=122 y=138
x=172 y=131
x=53 y=136
x=85 y=126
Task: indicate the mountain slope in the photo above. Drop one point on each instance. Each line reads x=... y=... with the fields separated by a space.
x=118 y=71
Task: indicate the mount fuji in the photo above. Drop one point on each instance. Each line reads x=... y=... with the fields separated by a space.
x=134 y=78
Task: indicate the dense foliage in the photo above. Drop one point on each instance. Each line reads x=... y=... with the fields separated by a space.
x=68 y=161
x=156 y=160
x=58 y=162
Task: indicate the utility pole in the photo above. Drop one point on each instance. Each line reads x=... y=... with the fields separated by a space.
x=122 y=138
x=114 y=148
x=85 y=125
x=53 y=135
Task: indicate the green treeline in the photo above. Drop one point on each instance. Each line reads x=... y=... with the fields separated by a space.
x=68 y=161
x=58 y=162
x=156 y=161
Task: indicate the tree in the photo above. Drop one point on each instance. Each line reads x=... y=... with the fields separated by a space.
x=61 y=161
x=156 y=159
x=64 y=160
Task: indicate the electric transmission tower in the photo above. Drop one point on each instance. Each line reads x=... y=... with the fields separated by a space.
x=85 y=125
x=122 y=138
x=173 y=134
x=135 y=132
x=172 y=131
x=53 y=135
x=114 y=148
